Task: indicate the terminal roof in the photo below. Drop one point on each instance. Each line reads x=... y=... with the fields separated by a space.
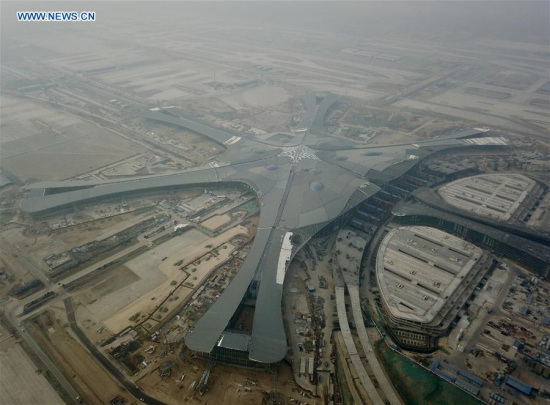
x=418 y=268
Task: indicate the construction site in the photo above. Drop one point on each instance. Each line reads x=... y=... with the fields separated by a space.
x=244 y=208
x=424 y=276
x=497 y=196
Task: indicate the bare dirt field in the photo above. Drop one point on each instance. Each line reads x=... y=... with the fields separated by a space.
x=88 y=377
x=387 y=137
x=226 y=385
x=23 y=118
x=389 y=118
x=107 y=283
x=436 y=127
x=438 y=106
x=194 y=146
x=488 y=93
x=512 y=80
x=148 y=302
x=45 y=144
x=270 y=121
x=71 y=157
x=216 y=221
x=39 y=246
x=99 y=229
x=540 y=102
x=265 y=96
x=20 y=381
x=212 y=105
x=144 y=282
x=15 y=273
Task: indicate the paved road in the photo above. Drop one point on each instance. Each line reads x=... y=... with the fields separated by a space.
x=109 y=259
x=352 y=350
x=13 y=309
x=115 y=372
x=58 y=288
x=382 y=379
x=350 y=259
x=50 y=365
x=22 y=259
x=497 y=310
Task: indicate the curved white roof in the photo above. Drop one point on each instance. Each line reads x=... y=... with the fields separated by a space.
x=418 y=268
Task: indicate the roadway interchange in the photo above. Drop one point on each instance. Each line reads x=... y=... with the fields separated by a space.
x=348 y=275
x=352 y=349
x=354 y=356
x=381 y=377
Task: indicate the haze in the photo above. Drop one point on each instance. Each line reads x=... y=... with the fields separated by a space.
x=275 y=202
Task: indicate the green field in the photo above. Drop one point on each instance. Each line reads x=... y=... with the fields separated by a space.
x=418 y=386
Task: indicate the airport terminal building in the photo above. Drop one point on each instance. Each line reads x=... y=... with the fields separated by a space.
x=306 y=183
x=425 y=276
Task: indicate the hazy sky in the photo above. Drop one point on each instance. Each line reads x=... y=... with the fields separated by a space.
x=511 y=20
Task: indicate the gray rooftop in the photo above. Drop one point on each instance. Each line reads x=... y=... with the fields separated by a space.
x=418 y=268
x=537 y=250
x=493 y=195
x=235 y=341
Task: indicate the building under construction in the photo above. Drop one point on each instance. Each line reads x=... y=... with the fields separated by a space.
x=424 y=277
